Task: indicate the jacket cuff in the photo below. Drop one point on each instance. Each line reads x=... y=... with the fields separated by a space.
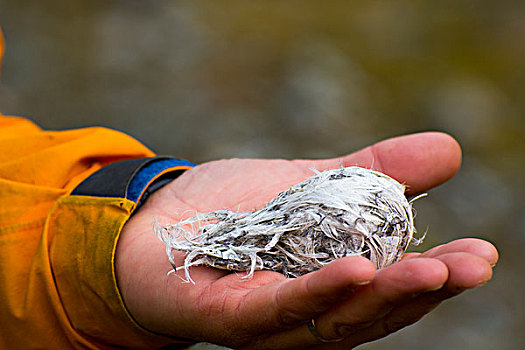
x=84 y=228
x=133 y=179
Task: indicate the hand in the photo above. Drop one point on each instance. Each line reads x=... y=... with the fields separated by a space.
x=347 y=298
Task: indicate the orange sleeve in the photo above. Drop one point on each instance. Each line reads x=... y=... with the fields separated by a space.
x=57 y=282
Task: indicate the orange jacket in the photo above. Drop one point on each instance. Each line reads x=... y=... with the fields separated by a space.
x=64 y=198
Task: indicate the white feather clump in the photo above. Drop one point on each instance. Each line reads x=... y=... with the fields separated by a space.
x=336 y=213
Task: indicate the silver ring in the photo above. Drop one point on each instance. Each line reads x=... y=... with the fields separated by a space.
x=315 y=333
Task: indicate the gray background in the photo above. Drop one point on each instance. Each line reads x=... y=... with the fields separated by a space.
x=206 y=80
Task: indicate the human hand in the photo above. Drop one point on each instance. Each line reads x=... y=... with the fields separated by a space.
x=347 y=298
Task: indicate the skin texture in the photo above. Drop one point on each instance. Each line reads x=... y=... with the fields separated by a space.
x=348 y=298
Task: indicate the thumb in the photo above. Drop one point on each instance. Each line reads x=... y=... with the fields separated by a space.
x=420 y=161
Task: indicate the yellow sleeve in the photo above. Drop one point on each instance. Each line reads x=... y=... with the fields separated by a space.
x=57 y=281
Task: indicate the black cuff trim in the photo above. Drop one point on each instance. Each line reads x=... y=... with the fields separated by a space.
x=130 y=178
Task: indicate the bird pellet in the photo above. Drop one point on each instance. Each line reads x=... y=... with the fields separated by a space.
x=336 y=213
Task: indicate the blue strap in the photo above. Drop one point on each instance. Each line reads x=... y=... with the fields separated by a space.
x=148 y=172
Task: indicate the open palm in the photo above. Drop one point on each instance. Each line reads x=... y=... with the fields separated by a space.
x=348 y=298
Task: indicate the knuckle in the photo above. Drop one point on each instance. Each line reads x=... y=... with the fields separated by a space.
x=349 y=328
x=287 y=318
x=285 y=314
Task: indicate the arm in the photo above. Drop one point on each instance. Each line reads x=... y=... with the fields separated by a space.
x=57 y=238
x=347 y=298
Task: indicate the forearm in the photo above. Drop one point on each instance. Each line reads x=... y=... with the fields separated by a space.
x=58 y=237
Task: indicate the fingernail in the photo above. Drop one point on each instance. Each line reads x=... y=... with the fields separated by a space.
x=362 y=283
x=437 y=288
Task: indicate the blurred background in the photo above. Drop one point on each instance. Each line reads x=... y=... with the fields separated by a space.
x=208 y=79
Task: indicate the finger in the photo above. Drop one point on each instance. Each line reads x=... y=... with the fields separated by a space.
x=465 y=271
x=285 y=304
x=474 y=246
x=410 y=256
x=392 y=286
x=421 y=161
